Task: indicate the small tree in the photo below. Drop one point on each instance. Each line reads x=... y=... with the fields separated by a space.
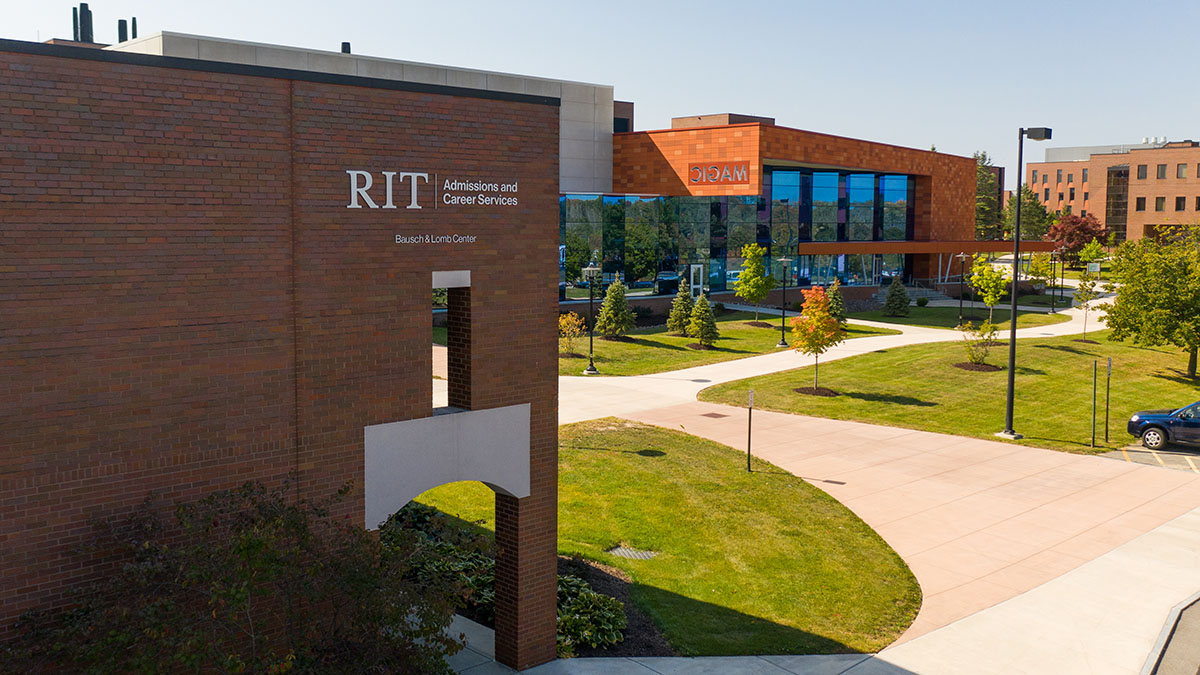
x=754 y=283
x=990 y=282
x=1158 y=299
x=1072 y=233
x=837 y=304
x=1093 y=252
x=1085 y=293
x=1041 y=270
x=615 y=319
x=702 y=325
x=816 y=330
x=681 y=311
x=978 y=340
x=570 y=329
x=897 y=299
x=1036 y=221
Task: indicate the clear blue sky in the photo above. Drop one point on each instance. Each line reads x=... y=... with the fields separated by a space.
x=963 y=75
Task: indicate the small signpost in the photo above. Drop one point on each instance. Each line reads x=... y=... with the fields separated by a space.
x=1095 y=366
x=749 y=414
x=1107 y=390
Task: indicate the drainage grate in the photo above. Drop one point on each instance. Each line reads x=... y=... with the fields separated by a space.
x=635 y=554
x=715 y=416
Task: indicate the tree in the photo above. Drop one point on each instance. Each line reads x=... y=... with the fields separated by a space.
x=1035 y=219
x=754 y=283
x=1085 y=293
x=250 y=580
x=616 y=318
x=816 y=330
x=1041 y=269
x=1072 y=233
x=702 y=325
x=989 y=281
x=570 y=329
x=1092 y=252
x=987 y=211
x=896 y=303
x=1158 y=297
x=837 y=304
x=576 y=255
x=681 y=311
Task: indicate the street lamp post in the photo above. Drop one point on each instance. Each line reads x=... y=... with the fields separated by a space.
x=962 y=267
x=1033 y=134
x=591 y=272
x=783 y=307
x=1053 y=274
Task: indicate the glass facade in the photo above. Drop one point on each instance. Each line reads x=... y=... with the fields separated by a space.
x=633 y=238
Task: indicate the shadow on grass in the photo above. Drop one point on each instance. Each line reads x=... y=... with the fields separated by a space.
x=1067 y=348
x=642 y=453
x=889 y=398
x=1023 y=370
x=1179 y=377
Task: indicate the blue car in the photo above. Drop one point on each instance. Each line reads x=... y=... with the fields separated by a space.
x=1156 y=428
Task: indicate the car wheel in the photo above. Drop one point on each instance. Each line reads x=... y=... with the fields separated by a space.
x=1154 y=438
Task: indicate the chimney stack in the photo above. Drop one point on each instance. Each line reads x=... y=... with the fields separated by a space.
x=122 y=30
x=75 y=23
x=345 y=47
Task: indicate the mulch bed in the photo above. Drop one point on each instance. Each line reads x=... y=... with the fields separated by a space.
x=642 y=637
x=697 y=345
x=977 y=367
x=760 y=324
x=816 y=391
x=1086 y=342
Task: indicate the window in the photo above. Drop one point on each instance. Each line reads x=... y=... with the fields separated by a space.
x=1141 y=204
x=1141 y=172
x=1197 y=208
x=1034 y=176
x=1161 y=172
x=1060 y=195
x=1085 y=178
x=1181 y=171
x=1044 y=178
x=1072 y=194
x=1058 y=178
x=1046 y=194
x=1181 y=203
x=1070 y=178
x=1085 y=196
x=1160 y=203
x=1081 y=214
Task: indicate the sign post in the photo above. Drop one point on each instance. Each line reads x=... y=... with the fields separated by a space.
x=1095 y=370
x=749 y=414
x=1107 y=390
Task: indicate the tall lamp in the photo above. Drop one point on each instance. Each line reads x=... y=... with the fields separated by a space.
x=1053 y=276
x=783 y=308
x=962 y=272
x=591 y=273
x=1033 y=134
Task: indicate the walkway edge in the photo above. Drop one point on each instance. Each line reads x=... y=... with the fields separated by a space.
x=1154 y=659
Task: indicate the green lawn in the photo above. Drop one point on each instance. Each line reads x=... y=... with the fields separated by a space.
x=918 y=387
x=653 y=350
x=748 y=563
x=947 y=317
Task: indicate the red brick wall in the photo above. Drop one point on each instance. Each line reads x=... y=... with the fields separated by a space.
x=656 y=162
x=189 y=304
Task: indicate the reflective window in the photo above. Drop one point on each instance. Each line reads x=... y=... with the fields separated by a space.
x=824 y=206
x=860 y=192
x=894 y=191
x=1141 y=171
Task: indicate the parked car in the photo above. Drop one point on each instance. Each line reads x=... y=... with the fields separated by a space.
x=666 y=283
x=1156 y=428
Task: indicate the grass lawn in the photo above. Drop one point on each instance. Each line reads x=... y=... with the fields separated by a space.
x=947 y=317
x=918 y=387
x=748 y=563
x=653 y=350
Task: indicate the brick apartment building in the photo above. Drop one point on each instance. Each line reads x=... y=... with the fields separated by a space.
x=1131 y=189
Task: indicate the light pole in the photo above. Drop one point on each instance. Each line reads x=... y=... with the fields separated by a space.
x=1053 y=275
x=783 y=307
x=1033 y=134
x=591 y=272
x=962 y=267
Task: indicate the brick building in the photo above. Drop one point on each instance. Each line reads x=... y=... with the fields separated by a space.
x=215 y=270
x=1131 y=189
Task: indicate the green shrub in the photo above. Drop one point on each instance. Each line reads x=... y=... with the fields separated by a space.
x=922 y=301
x=642 y=311
x=616 y=319
x=702 y=325
x=718 y=308
x=586 y=617
x=798 y=306
x=897 y=299
x=247 y=580
x=837 y=304
x=681 y=311
x=978 y=341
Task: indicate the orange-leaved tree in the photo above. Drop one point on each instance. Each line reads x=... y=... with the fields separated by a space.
x=816 y=329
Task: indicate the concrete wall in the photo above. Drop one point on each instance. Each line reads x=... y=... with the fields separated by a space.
x=585 y=116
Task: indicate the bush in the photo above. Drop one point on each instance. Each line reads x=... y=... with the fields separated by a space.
x=642 y=311
x=978 y=341
x=922 y=301
x=897 y=299
x=837 y=303
x=586 y=617
x=616 y=319
x=718 y=308
x=571 y=327
x=248 y=580
x=798 y=306
x=702 y=325
x=681 y=311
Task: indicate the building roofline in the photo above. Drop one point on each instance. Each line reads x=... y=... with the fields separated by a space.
x=228 y=68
